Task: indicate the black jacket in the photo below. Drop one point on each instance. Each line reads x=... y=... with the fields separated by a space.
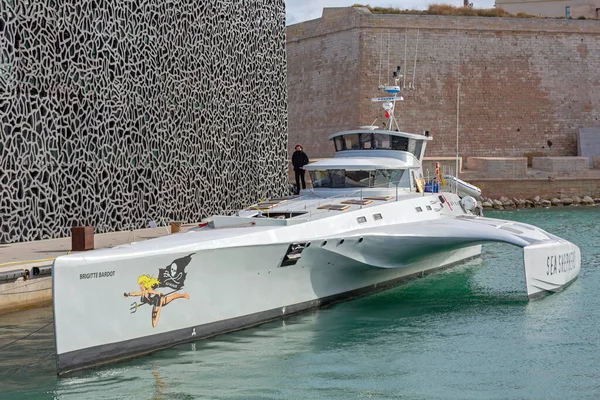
x=299 y=159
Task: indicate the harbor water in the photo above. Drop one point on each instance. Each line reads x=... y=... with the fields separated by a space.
x=465 y=333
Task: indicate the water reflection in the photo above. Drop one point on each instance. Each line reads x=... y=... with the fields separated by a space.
x=159 y=384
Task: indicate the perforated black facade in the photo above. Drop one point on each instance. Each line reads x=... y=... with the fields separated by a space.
x=117 y=113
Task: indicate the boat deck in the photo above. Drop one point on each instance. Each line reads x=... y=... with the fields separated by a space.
x=311 y=206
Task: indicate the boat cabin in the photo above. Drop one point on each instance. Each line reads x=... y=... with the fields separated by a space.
x=371 y=159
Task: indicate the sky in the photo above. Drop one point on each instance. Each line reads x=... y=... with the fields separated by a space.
x=303 y=10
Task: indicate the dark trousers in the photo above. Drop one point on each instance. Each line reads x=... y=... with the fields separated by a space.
x=299 y=176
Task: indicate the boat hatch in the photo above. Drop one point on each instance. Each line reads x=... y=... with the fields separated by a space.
x=334 y=207
x=380 y=198
x=268 y=204
x=286 y=198
x=293 y=254
x=264 y=205
x=280 y=214
x=357 y=202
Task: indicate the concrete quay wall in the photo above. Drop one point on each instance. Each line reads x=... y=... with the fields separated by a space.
x=25 y=292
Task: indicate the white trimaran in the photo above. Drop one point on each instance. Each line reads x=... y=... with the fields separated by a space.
x=368 y=223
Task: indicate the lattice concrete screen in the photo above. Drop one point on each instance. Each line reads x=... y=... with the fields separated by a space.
x=117 y=113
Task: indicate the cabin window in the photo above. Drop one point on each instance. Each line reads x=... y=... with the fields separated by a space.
x=361 y=220
x=340 y=144
x=414 y=147
x=358 y=178
x=330 y=178
x=382 y=178
x=377 y=217
x=352 y=141
x=419 y=209
x=388 y=177
x=399 y=143
x=366 y=141
x=381 y=141
x=340 y=178
x=320 y=178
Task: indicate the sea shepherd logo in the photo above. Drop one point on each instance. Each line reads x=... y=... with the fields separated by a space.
x=172 y=277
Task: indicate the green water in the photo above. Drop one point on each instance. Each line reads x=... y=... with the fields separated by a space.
x=466 y=333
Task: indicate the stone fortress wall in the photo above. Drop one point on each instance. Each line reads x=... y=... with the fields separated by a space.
x=553 y=8
x=114 y=114
x=527 y=85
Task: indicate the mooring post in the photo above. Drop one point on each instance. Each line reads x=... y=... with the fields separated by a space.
x=175 y=226
x=82 y=238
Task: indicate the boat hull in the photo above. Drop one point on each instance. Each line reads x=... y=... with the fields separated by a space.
x=228 y=290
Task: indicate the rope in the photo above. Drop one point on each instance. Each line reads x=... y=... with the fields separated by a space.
x=26 y=336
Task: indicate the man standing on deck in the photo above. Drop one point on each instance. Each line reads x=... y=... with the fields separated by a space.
x=299 y=160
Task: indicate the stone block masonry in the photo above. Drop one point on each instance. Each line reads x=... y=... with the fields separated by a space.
x=505 y=167
x=562 y=166
x=527 y=85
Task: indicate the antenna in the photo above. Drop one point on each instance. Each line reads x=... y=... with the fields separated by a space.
x=389 y=102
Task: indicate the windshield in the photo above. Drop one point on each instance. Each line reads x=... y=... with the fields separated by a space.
x=341 y=178
x=377 y=141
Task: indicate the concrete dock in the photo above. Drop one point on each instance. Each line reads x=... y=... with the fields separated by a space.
x=25 y=279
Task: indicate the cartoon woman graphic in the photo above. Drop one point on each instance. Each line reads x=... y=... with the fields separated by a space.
x=152 y=297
